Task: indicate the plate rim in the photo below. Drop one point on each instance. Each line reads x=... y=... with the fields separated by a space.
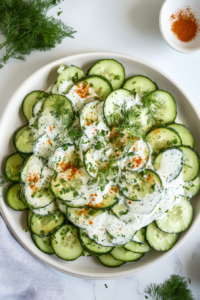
x=81 y=274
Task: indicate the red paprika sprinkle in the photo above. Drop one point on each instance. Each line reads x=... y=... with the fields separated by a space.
x=185 y=26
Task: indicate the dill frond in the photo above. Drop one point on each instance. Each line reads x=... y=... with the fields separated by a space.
x=27 y=28
x=175 y=288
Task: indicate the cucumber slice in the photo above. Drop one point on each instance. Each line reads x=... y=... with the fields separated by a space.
x=92 y=247
x=140 y=117
x=120 y=210
x=29 y=216
x=13 y=165
x=96 y=167
x=24 y=168
x=137 y=247
x=64 y=158
x=162 y=106
x=66 y=244
x=116 y=106
x=139 y=185
x=91 y=87
x=169 y=163
x=185 y=134
x=23 y=140
x=47 y=210
x=191 y=164
x=89 y=114
x=140 y=236
x=141 y=84
x=46 y=225
x=110 y=69
x=14 y=197
x=161 y=138
x=178 y=219
x=71 y=75
x=75 y=215
x=36 y=190
x=43 y=243
x=109 y=261
x=60 y=106
x=191 y=188
x=69 y=185
x=37 y=107
x=159 y=240
x=138 y=156
x=29 y=102
x=44 y=146
x=108 y=200
x=120 y=143
x=61 y=206
x=120 y=253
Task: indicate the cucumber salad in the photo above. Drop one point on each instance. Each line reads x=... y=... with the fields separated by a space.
x=103 y=166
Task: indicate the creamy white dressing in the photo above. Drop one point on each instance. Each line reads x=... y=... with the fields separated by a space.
x=64 y=86
x=170 y=165
x=36 y=189
x=75 y=93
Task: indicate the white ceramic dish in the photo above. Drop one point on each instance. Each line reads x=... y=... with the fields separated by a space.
x=12 y=118
x=170 y=7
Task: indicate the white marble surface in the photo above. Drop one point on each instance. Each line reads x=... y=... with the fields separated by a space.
x=130 y=27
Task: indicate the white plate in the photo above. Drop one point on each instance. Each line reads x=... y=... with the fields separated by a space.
x=12 y=118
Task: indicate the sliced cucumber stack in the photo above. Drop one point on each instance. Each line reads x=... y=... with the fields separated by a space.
x=111 y=70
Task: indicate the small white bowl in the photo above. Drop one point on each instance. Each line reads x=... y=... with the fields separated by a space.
x=170 y=7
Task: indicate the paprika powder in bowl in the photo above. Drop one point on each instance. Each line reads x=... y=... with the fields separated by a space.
x=180 y=24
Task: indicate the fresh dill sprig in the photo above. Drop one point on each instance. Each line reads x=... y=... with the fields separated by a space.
x=74 y=133
x=153 y=105
x=27 y=27
x=61 y=113
x=175 y=288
